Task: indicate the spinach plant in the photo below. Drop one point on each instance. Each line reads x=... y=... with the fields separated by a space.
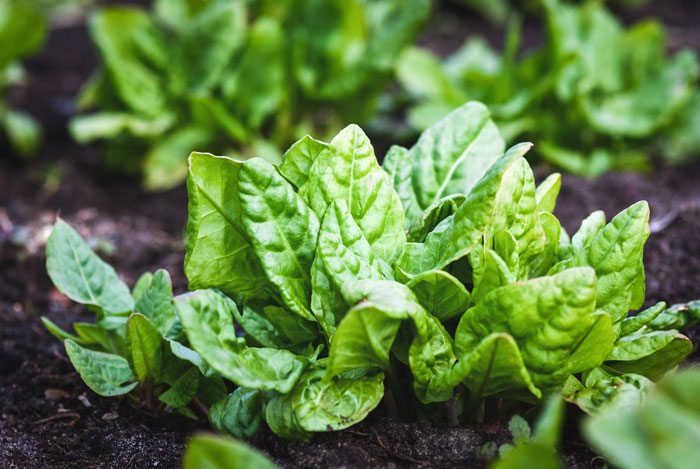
x=135 y=345
x=235 y=76
x=596 y=96
x=660 y=433
x=22 y=31
x=443 y=271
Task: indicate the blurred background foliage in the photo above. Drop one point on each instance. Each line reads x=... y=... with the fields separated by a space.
x=248 y=78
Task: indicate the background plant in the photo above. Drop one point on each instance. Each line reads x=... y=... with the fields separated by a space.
x=596 y=96
x=22 y=31
x=239 y=77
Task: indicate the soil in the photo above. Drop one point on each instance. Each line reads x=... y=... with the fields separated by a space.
x=49 y=418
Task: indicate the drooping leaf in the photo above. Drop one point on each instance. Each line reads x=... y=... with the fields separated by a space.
x=104 y=373
x=209 y=325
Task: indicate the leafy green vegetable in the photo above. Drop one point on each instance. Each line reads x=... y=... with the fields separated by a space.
x=22 y=31
x=320 y=265
x=660 y=432
x=132 y=346
x=216 y=452
x=596 y=96
x=246 y=78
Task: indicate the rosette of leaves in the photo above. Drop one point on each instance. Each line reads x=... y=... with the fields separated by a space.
x=22 y=31
x=234 y=76
x=444 y=270
x=136 y=344
x=596 y=96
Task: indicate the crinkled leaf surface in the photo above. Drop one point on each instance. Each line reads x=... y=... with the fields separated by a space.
x=548 y=317
x=449 y=158
x=348 y=170
x=282 y=229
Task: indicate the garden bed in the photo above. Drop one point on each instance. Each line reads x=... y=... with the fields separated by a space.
x=50 y=418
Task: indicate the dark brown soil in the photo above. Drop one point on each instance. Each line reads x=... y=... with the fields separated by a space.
x=49 y=418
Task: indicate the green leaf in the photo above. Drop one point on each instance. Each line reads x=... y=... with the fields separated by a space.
x=615 y=253
x=60 y=333
x=81 y=275
x=281 y=418
x=494 y=367
x=590 y=227
x=131 y=47
x=239 y=414
x=109 y=124
x=189 y=355
x=144 y=345
x=529 y=455
x=282 y=229
x=255 y=88
x=22 y=30
x=650 y=354
x=204 y=48
x=494 y=274
x=218 y=254
x=217 y=452
x=208 y=323
x=297 y=160
x=164 y=164
x=433 y=215
x=104 y=373
x=547 y=192
x=156 y=301
x=441 y=294
x=456 y=236
x=348 y=170
x=183 y=390
x=679 y=316
x=613 y=392
x=549 y=318
x=544 y=261
x=321 y=405
x=634 y=323
x=23 y=131
x=449 y=158
x=346 y=254
x=663 y=432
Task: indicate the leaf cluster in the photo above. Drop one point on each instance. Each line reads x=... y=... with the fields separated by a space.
x=596 y=96
x=445 y=269
x=135 y=345
x=234 y=76
x=22 y=31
